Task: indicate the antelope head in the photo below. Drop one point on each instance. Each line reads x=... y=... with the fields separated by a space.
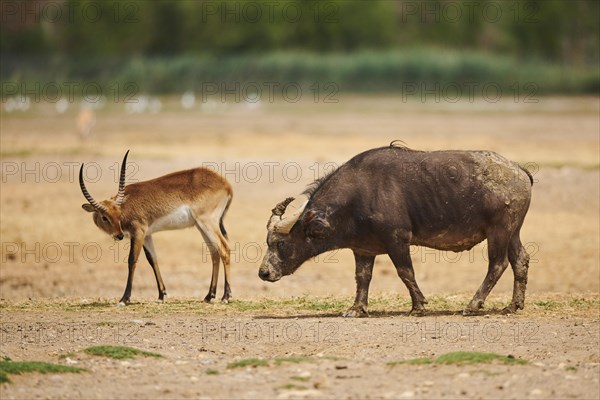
x=107 y=213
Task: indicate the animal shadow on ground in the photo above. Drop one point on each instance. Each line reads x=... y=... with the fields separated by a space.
x=105 y=305
x=387 y=314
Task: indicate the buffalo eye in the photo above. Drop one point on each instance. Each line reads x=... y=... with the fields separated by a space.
x=280 y=247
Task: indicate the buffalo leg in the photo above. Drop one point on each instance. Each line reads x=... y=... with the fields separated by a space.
x=364 y=272
x=519 y=260
x=498 y=261
x=134 y=253
x=401 y=258
x=152 y=259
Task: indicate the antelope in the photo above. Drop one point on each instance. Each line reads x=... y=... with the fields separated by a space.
x=86 y=120
x=196 y=197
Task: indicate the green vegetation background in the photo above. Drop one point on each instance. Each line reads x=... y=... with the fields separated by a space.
x=168 y=47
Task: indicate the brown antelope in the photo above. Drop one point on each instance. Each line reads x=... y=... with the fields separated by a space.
x=86 y=120
x=196 y=197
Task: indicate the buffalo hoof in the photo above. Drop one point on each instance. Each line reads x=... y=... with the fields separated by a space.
x=474 y=308
x=356 y=313
x=511 y=309
x=417 y=312
x=470 y=312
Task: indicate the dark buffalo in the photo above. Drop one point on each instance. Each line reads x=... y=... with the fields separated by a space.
x=386 y=199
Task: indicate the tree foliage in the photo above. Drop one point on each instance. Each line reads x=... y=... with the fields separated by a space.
x=556 y=30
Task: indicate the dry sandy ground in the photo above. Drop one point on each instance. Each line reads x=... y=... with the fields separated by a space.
x=335 y=357
x=52 y=253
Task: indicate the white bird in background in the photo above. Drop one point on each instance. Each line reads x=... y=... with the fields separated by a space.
x=252 y=102
x=155 y=105
x=142 y=104
x=62 y=106
x=188 y=100
x=20 y=103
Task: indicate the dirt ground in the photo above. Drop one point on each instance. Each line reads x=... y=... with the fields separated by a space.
x=60 y=276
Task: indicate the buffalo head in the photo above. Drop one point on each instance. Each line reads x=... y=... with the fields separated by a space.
x=295 y=234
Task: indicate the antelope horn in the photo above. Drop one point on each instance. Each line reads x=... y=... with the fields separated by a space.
x=121 y=193
x=291 y=215
x=87 y=195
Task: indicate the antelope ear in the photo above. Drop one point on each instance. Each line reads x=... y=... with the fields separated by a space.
x=316 y=226
x=88 y=207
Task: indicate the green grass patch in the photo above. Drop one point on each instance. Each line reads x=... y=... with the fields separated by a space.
x=326 y=304
x=119 y=352
x=66 y=355
x=212 y=372
x=475 y=357
x=293 y=386
x=7 y=366
x=248 y=362
x=412 y=361
x=546 y=304
x=581 y=302
x=294 y=360
x=462 y=358
x=591 y=303
x=261 y=362
x=300 y=378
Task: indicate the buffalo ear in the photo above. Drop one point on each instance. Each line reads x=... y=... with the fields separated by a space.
x=88 y=207
x=315 y=225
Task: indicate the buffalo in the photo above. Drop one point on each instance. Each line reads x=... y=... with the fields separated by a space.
x=385 y=199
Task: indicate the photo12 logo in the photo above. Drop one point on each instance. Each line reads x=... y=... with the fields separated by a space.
x=68 y=12
x=470 y=331
x=454 y=12
x=45 y=333
x=64 y=171
x=269 y=332
x=71 y=91
x=269 y=91
x=254 y=12
x=453 y=92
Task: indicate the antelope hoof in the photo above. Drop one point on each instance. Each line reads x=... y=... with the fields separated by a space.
x=226 y=297
x=121 y=304
x=209 y=297
x=358 y=312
